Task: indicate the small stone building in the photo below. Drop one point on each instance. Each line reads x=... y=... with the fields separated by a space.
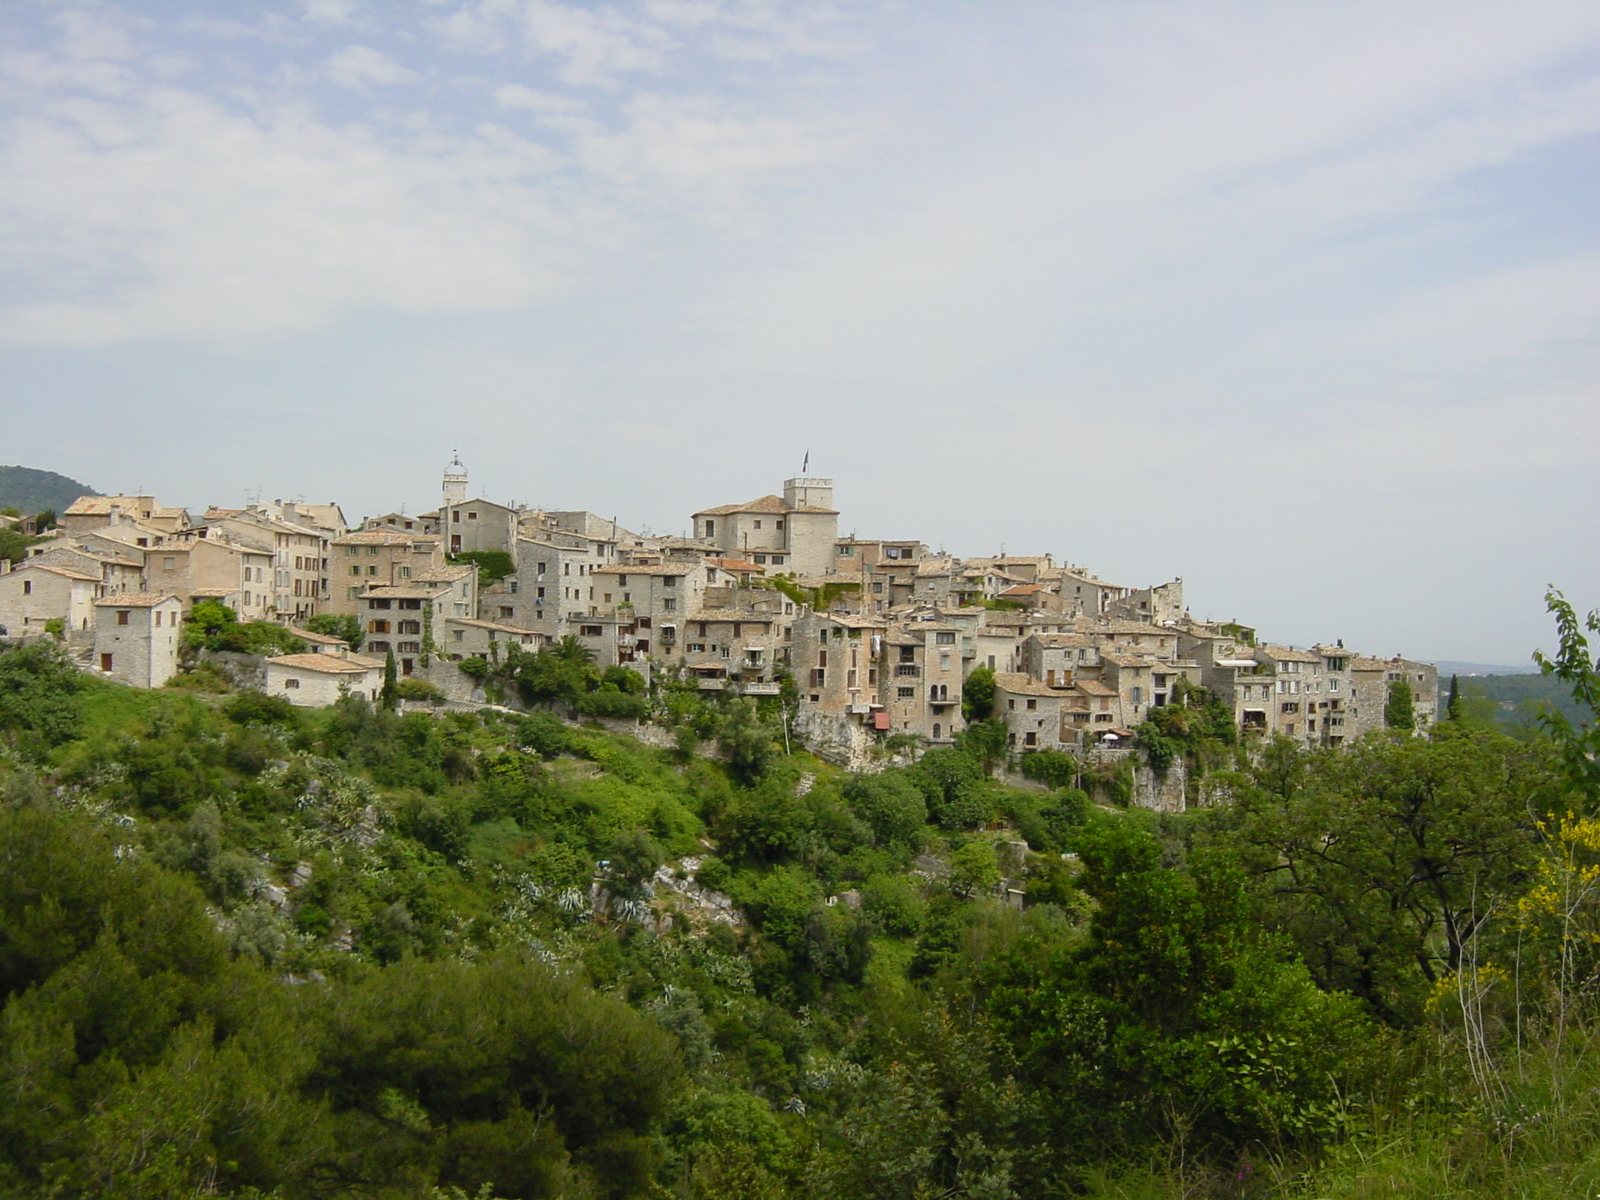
x=317 y=680
x=136 y=637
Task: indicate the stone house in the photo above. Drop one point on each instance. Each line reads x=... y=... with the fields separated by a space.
x=137 y=637
x=298 y=581
x=794 y=533
x=376 y=558
x=197 y=566
x=88 y=513
x=1034 y=713
x=1160 y=604
x=468 y=525
x=659 y=594
x=118 y=572
x=319 y=679
x=1334 y=718
x=1370 y=681
x=1296 y=690
x=408 y=621
x=466 y=637
x=34 y=593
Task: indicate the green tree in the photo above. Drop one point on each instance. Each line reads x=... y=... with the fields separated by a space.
x=1398 y=710
x=39 y=693
x=339 y=625
x=1383 y=861
x=1578 y=740
x=977 y=694
x=559 y=673
x=747 y=741
x=389 y=698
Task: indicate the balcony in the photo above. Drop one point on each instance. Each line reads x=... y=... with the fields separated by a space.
x=760 y=689
x=712 y=685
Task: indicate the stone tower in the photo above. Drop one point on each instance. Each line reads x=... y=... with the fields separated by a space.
x=455 y=482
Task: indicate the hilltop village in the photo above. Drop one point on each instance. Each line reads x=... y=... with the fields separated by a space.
x=879 y=635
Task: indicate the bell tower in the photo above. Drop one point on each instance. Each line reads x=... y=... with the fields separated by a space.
x=455 y=481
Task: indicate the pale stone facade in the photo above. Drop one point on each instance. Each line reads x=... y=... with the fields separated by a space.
x=318 y=680
x=137 y=637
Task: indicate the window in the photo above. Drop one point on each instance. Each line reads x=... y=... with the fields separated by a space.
x=377 y=627
x=506 y=613
x=349 y=550
x=372 y=552
x=668 y=604
x=906 y=693
x=351 y=593
x=847 y=551
x=378 y=603
x=1034 y=704
x=1030 y=739
x=168 y=564
x=711 y=528
x=27 y=587
x=761 y=560
x=1290 y=707
x=472 y=516
x=355 y=570
x=409 y=627
x=590 y=630
x=758 y=524
x=777 y=559
x=908 y=654
x=945 y=639
x=409 y=648
x=291 y=683
x=122 y=616
x=405 y=572
x=411 y=604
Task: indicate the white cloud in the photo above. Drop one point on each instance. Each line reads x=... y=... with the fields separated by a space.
x=361 y=66
x=514 y=95
x=344 y=13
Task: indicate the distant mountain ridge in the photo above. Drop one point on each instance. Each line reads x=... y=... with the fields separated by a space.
x=30 y=490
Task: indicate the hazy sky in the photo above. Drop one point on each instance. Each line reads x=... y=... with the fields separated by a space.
x=1296 y=301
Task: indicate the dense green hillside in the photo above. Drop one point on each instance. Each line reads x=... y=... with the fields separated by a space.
x=256 y=951
x=1512 y=701
x=30 y=491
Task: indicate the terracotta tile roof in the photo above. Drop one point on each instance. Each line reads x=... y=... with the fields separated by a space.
x=764 y=504
x=736 y=565
x=100 y=506
x=133 y=600
x=496 y=625
x=674 y=569
x=1127 y=660
x=1057 y=640
x=332 y=664
x=65 y=572
x=380 y=537
x=316 y=639
x=443 y=574
x=1019 y=684
x=399 y=592
x=1285 y=654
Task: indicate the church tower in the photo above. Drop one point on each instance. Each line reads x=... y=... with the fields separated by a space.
x=455 y=482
